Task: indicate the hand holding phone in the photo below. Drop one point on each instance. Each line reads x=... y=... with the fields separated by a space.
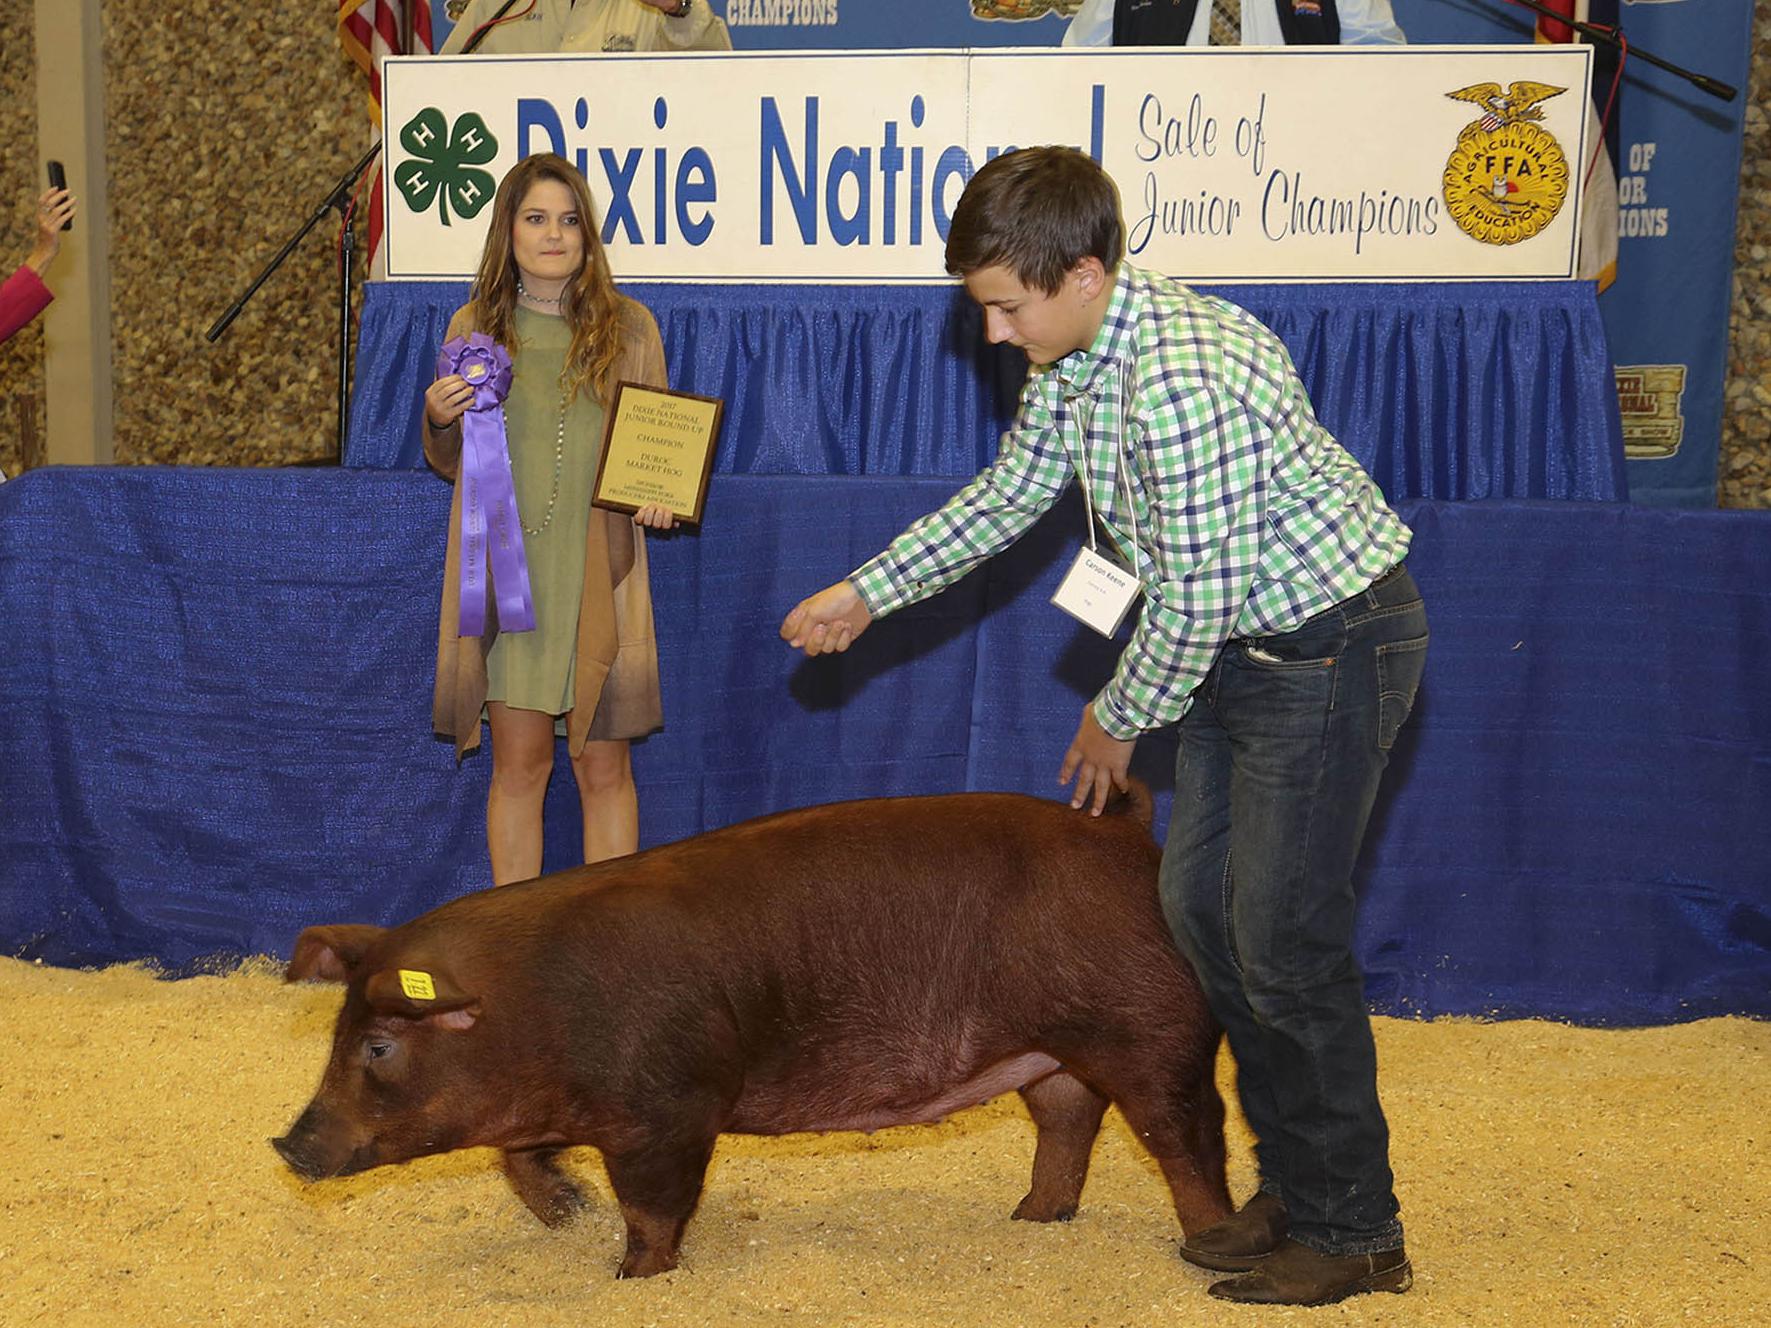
x=58 y=179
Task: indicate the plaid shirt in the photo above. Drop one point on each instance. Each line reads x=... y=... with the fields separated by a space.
x=1250 y=518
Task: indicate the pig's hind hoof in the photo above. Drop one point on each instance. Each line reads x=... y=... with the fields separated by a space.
x=1029 y=1211
x=645 y=1264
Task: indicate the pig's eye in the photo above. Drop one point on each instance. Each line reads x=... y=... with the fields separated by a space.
x=379 y=1049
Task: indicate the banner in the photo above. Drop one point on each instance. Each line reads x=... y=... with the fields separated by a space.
x=850 y=25
x=1232 y=165
x=1678 y=169
x=1678 y=189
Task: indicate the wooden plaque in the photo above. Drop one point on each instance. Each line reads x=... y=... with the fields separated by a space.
x=657 y=448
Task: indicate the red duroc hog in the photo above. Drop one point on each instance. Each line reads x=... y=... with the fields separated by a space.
x=844 y=967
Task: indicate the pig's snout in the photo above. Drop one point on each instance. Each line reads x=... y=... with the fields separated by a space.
x=309 y=1154
x=300 y=1159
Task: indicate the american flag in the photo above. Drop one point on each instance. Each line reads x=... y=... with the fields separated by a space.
x=369 y=30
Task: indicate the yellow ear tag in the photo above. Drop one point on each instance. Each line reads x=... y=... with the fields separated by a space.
x=417 y=986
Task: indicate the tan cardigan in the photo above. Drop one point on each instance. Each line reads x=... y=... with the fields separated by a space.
x=615 y=683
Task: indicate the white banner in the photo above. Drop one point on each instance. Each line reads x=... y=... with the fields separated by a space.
x=1321 y=163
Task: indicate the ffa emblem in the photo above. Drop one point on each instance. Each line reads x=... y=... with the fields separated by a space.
x=1506 y=178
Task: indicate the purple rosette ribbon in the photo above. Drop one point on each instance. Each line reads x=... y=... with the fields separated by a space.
x=491 y=531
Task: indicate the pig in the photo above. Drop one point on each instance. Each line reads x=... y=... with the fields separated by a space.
x=839 y=967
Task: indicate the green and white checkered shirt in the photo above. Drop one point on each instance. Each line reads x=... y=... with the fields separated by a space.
x=1250 y=517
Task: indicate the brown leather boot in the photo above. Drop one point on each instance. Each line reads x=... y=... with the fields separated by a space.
x=1242 y=1242
x=1294 y=1274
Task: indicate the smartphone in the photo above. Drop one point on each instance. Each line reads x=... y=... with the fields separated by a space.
x=58 y=179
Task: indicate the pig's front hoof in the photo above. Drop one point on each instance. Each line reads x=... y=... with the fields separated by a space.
x=1028 y=1210
x=544 y=1189
x=560 y=1206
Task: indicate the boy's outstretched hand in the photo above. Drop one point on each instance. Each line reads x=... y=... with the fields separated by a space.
x=1097 y=760
x=828 y=621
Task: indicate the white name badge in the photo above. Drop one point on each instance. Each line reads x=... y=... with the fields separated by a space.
x=1097 y=591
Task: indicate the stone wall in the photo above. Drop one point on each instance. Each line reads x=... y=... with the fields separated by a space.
x=224 y=135
x=21 y=358
x=1745 y=470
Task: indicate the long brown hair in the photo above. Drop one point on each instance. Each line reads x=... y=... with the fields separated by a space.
x=589 y=303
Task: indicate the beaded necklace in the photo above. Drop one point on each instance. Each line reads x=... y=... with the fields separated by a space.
x=559 y=453
x=559 y=438
x=523 y=293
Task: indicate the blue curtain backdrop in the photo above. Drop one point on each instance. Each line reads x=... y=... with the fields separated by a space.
x=216 y=687
x=1489 y=390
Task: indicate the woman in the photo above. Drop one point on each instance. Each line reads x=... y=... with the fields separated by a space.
x=23 y=295
x=589 y=670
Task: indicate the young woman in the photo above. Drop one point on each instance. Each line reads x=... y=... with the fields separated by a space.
x=589 y=670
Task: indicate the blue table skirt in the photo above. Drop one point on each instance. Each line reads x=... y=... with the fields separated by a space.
x=216 y=688
x=1490 y=390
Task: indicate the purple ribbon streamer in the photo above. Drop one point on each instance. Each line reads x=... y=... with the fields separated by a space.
x=491 y=530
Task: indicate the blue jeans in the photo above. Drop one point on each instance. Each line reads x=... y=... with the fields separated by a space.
x=1279 y=763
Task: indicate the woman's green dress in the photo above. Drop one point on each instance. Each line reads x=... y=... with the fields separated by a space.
x=533 y=670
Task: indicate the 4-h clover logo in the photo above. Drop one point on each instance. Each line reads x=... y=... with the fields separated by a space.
x=444 y=161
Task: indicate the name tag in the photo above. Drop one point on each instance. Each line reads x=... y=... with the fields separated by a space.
x=1097 y=591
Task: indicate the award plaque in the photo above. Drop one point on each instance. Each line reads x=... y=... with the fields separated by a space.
x=657 y=448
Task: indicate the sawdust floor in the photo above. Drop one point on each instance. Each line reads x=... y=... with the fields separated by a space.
x=1549 y=1175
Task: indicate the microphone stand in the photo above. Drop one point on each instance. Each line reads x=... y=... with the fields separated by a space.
x=1702 y=82
x=339 y=198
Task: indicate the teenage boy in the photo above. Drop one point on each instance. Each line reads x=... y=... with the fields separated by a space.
x=1279 y=630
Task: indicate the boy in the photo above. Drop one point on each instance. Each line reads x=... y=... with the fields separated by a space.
x=1279 y=630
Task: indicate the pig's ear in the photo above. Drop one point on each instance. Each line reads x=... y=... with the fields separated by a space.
x=421 y=993
x=331 y=953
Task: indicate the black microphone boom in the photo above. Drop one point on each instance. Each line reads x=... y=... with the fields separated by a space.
x=1702 y=82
